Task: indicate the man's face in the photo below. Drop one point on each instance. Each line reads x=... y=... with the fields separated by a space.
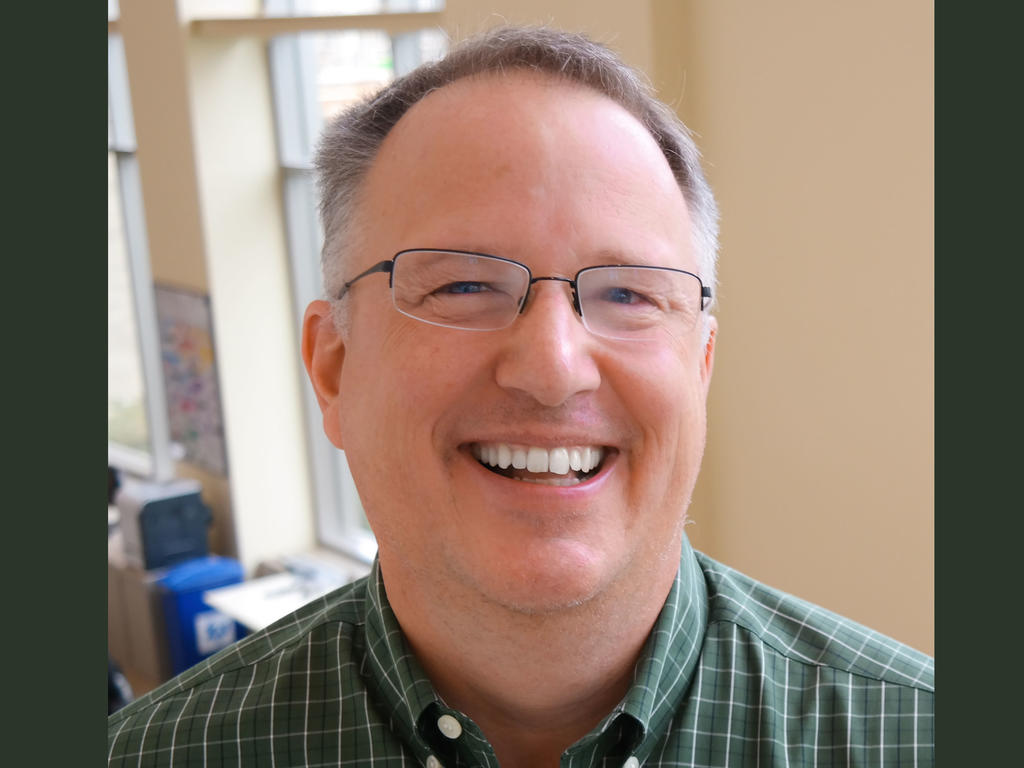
x=558 y=178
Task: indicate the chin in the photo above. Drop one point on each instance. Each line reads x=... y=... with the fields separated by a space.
x=562 y=577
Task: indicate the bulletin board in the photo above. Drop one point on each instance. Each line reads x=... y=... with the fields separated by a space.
x=190 y=376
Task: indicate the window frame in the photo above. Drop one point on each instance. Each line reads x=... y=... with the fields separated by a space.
x=156 y=463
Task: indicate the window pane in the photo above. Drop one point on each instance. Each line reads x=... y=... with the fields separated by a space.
x=347 y=494
x=414 y=48
x=349 y=66
x=344 y=7
x=332 y=7
x=126 y=409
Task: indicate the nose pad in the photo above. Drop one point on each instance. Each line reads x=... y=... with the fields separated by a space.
x=548 y=352
x=573 y=293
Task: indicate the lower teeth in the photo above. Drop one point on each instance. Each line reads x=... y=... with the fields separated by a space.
x=573 y=478
x=561 y=482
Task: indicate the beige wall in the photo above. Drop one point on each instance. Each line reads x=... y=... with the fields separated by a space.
x=815 y=120
x=627 y=27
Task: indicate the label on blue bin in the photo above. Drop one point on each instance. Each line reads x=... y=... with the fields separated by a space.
x=214 y=631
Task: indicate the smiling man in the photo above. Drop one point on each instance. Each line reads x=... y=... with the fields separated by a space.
x=515 y=354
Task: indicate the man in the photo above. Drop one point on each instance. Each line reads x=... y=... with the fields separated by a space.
x=520 y=393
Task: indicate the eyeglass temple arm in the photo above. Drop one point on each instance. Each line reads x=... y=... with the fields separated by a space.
x=381 y=266
x=705 y=293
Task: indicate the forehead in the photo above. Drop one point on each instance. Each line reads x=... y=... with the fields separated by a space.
x=498 y=162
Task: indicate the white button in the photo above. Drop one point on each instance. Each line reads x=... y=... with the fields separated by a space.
x=449 y=726
x=631 y=762
x=433 y=762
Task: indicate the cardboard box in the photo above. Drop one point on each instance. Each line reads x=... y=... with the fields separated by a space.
x=135 y=623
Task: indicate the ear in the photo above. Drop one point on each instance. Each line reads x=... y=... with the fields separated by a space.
x=323 y=352
x=708 y=361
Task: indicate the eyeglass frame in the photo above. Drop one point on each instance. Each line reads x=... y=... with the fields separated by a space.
x=388 y=266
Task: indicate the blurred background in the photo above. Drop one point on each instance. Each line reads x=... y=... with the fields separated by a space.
x=228 y=506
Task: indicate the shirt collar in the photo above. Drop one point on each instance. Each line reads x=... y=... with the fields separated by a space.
x=667 y=663
x=392 y=670
x=660 y=679
x=662 y=674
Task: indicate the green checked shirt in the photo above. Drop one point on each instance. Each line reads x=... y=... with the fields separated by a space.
x=733 y=674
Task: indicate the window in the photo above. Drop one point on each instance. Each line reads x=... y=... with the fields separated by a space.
x=315 y=75
x=137 y=433
x=126 y=394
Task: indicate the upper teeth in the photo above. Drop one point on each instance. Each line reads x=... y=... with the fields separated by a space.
x=558 y=461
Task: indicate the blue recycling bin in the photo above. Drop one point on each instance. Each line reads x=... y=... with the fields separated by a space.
x=194 y=630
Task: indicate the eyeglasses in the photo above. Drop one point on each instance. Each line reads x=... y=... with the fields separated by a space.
x=478 y=292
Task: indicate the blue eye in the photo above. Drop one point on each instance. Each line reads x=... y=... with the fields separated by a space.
x=622 y=296
x=465 y=287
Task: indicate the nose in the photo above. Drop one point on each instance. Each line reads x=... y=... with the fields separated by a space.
x=547 y=352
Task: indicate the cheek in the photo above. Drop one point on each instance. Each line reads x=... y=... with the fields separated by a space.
x=387 y=365
x=396 y=415
x=401 y=386
x=666 y=401
x=667 y=386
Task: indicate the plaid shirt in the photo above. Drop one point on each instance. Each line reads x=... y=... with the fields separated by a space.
x=733 y=674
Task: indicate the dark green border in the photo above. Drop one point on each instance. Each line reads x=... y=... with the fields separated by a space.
x=54 y=302
x=978 y=326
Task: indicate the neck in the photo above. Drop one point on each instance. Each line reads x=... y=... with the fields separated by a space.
x=533 y=683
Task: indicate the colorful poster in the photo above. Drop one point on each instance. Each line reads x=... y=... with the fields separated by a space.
x=190 y=377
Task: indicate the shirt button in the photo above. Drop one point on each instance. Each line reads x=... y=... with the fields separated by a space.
x=631 y=762
x=449 y=726
x=433 y=762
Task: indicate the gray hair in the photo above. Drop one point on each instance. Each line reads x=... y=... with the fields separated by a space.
x=351 y=140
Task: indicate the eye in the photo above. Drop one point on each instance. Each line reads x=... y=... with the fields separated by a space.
x=463 y=288
x=620 y=295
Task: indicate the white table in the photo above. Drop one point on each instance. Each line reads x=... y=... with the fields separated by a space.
x=259 y=602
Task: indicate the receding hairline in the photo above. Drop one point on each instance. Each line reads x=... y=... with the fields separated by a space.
x=507 y=75
x=519 y=72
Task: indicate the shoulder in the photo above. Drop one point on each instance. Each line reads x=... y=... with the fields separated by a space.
x=330 y=624
x=802 y=632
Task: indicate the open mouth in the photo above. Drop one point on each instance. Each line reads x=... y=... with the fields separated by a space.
x=560 y=466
